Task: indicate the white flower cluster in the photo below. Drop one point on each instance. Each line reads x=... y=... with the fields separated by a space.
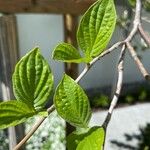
x=49 y=136
x=3 y=140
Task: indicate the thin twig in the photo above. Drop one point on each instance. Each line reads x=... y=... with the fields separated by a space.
x=136 y=25
x=116 y=45
x=83 y=73
x=118 y=88
x=106 y=52
x=32 y=131
x=145 y=36
x=52 y=108
x=138 y=62
x=136 y=21
x=86 y=69
x=126 y=42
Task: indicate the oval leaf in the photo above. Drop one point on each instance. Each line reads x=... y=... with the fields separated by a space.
x=14 y=112
x=91 y=140
x=72 y=103
x=33 y=80
x=67 y=53
x=96 y=27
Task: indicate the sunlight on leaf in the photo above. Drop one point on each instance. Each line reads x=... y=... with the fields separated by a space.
x=93 y=139
x=14 y=112
x=67 y=53
x=33 y=80
x=71 y=102
x=96 y=27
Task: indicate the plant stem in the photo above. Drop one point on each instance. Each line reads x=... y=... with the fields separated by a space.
x=83 y=73
x=144 y=34
x=52 y=108
x=136 y=21
x=136 y=26
x=126 y=42
x=34 y=128
x=138 y=62
x=116 y=45
x=118 y=87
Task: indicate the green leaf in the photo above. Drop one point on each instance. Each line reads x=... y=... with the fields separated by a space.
x=72 y=103
x=14 y=112
x=146 y=4
x=132 y=2
x=33 y=80
x=67 y=53
x=96 y=27
x=91 y=140
x=94 y=141
x=75 y=137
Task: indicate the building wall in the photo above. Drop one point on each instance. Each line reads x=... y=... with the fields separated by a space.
x=46 y=31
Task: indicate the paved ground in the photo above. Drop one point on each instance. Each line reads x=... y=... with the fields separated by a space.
x=124 y=120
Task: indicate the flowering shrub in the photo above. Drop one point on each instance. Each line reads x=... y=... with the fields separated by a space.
x=49 y=136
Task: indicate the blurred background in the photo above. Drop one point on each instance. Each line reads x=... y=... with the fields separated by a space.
x=30 y=23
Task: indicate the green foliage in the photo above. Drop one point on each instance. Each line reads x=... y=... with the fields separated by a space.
x=14 y=112
x=33 y=80
x=93 y=139
x=96 y=27
x=132 y=2
x=94 y=33
x=129 y=99
x=146 y=4
x=67 y=53
x=138 y=95
x=100 y=101
x=72 y=103
x=142 y=95
x=144 y=141
x=135 y=94
x=32 y=85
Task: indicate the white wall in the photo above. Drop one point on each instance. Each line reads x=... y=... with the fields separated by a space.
x=46 y=31
x=125 y=120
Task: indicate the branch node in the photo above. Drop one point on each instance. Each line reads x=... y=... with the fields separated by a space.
x=138 y=61
x=143 y=34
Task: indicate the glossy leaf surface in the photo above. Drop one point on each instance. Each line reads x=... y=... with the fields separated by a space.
x=72 y=103
x=67 y=53
x=96 y=27
x=14 y=112
x=91 y=140
x=33 y=80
